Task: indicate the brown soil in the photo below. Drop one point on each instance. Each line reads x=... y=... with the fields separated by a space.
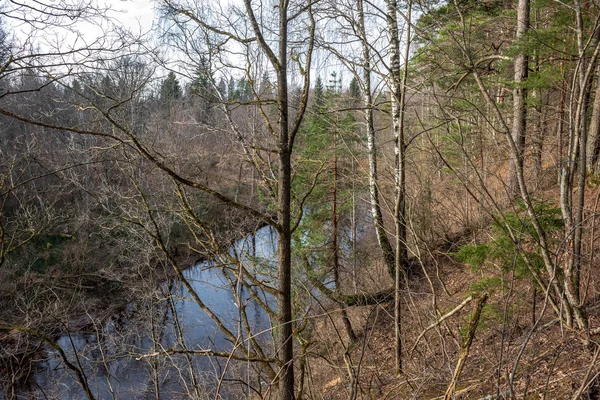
x=509 y=355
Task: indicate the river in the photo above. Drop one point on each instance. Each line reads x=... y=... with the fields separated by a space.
x=114 y=356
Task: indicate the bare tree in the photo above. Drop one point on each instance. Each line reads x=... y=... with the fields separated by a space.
x=521 y=65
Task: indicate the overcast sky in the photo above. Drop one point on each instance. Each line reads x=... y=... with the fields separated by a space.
x=134 y=14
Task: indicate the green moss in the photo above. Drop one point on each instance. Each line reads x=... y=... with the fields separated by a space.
x=491 y=315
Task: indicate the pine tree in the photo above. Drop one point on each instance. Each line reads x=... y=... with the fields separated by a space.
x=170 y=90
x=319 y=94
x=354 y=90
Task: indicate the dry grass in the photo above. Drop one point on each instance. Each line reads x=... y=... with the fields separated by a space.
x=509 y=355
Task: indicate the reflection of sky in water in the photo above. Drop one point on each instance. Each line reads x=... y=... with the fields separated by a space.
x=110 y=357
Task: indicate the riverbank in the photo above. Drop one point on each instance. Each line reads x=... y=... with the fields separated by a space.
x=110 y=306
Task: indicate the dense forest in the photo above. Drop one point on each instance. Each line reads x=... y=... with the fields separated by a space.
x=328 y=199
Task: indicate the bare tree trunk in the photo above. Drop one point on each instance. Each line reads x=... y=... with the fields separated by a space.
x=284 y=236
x=466 y=346
x=593 y=142
x=560 y=126
x=382 y=239
x=540 y=134
x=577 y=157
x=334 y=244
x=284 y=248
x=354 y=232
x=554 y=289
x=398 y=99
x=540 y=123
x=519 y=95
x=285 y=348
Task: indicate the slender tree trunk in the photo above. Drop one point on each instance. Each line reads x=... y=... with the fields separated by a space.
x=398 y=98
x=593 y=143
x=396 y=77
x=354 y=232
x=560 y=126
x=576 y=166
x=466 y=347
x=540 y=134
x=555 y=290
x=384 y=243
x=285 y=343
x=519 y=95
x=540 y=123
x=284 y=146
x=284 y=298
x=334 y=243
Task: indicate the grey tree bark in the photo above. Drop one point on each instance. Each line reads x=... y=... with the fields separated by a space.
x=382 y=239
x=575 y=166
x=398 y=79
x=521 y=64
x=593 y=143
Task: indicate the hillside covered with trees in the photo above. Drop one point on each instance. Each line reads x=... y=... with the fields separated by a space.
x=322 y=199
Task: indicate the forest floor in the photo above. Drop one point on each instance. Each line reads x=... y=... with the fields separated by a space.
x=520 y=348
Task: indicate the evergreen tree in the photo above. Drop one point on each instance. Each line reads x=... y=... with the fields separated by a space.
x=319 y=94
x=170 y=90
x=76 y=86
x=232 y=93
x=354 y=90
x=203 y=82
x=5 y=45
x=334 y=84
x=244 y=90
x=222 y=88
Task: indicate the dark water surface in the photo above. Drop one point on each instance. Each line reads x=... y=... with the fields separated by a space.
x=114 y=356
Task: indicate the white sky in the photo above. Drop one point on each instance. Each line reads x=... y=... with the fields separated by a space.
x=136 y=15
